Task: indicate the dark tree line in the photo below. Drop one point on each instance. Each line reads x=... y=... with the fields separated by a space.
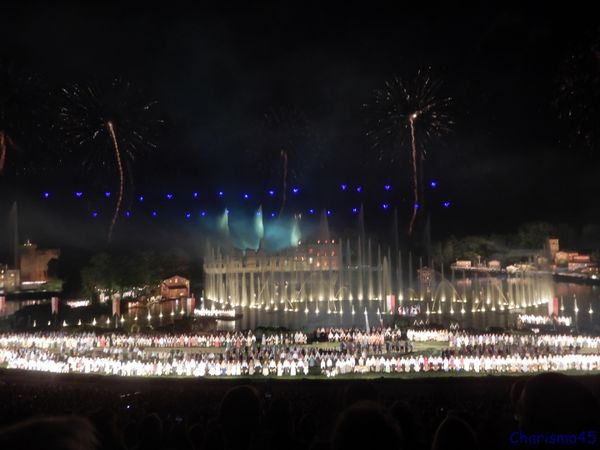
x=122 y=272
x=509 y=248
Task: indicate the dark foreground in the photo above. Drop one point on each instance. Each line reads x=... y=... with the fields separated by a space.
x=293 y=413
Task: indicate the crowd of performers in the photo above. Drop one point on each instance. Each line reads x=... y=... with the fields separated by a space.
x=349 y=351
x=69 y=341
x=381 y=335
x=531 y=319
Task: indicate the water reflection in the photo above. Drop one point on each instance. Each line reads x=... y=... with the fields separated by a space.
x=9 y=307
x=476 y=303
x=467 y=302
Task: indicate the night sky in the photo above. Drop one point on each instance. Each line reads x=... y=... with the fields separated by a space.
x=215 y=73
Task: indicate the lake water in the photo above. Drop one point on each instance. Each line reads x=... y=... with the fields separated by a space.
x=466 y=303
x=442 y=312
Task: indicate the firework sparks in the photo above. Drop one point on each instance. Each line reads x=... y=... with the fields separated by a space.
x=413 y=147
x=409 y=112
x=578 y=97
x=5 y=142
x=291 y=147
x=20 y=99
x=113 y=136
x=90 y=118
x=284 y=157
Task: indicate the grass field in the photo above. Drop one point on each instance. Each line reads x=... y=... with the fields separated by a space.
x=429 y=348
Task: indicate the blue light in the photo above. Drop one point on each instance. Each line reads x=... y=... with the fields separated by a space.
x=195 y=195
x=188 y=215
x=107 y=194
x=329 y=212
x=46 y=194
x=358 y=189
x=169 y=196
x=273 y=214
x=203 y=213
x=295 y=190
x=446 y=204
x=433 y=184
x=354 y=210
x=154 y=214
x=78 y=194
x=258 y=214
x=94 y=214
x=221 y=194
x=385 y=206
x=141 y=198
x=246 y=196
x=416 y=205
x=344 y=186
x=127 y=213
x=311 y=211
x=271 y=192
x=387 y=187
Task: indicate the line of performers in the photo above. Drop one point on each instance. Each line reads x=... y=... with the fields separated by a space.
x=379 y=335
x=330 y=366
x=456 y=338
x=279 y=359
x=80 y=341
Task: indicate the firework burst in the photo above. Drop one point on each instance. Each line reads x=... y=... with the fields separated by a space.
x=291 y=147
x=578 y=96
x=409 y=114
x=21 y=105
x=111 y=125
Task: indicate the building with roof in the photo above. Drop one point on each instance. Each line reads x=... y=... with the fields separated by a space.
x=175 y=287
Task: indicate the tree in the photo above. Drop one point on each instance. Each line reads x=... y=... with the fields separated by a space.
x=99 y=274
x=448 y=251
x=534 y=235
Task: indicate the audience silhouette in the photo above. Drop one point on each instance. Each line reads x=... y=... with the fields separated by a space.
x=359 y=414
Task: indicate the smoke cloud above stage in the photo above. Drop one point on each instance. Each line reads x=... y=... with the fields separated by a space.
x=251 y=231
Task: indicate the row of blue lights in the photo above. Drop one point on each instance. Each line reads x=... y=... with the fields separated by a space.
x=245 y=196
x=311 y=211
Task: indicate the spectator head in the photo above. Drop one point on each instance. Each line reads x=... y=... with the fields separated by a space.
x=358 y=391
x=108 y=432
x=50 y=433
x=150 y=431
x=515 y=395
x=365 y=425
x=405 y=418
x=554 y=402
x=307 y=428
x=240 y=406
x=454 y=433
x=195 y=435
x=279 y=417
